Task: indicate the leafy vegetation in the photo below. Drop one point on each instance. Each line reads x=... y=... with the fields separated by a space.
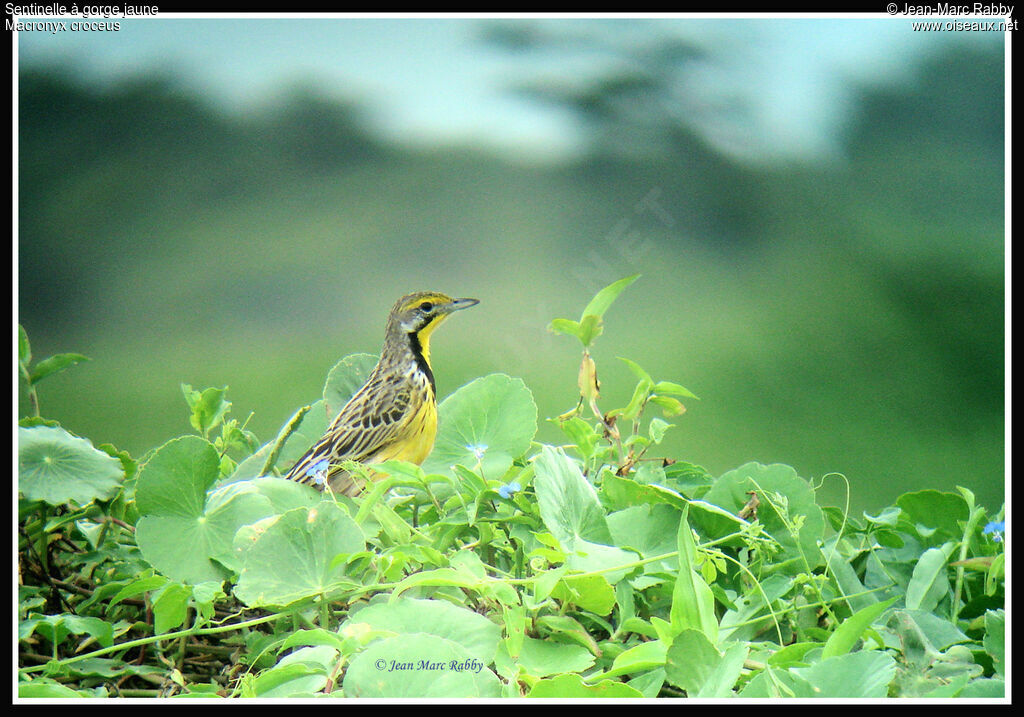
x=500 y=568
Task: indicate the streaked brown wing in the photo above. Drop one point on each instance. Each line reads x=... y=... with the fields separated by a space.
x=361 y=429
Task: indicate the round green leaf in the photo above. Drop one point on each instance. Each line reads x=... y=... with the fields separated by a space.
x=294 y=557
x=418 y=665
x=56 y=467
x=475 y=633
x=490 y=421
x=182 y=529
x=286 y=494
x=858 y=674
x=174 y=481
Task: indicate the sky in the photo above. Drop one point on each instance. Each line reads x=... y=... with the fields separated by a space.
x=430 y=79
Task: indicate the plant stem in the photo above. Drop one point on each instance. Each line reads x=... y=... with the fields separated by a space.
x=162 y=638
x=325 y=612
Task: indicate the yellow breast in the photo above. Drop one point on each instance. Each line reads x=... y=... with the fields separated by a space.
x=416 y=439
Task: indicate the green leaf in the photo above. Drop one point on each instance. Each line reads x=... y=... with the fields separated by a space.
x=314 y=638
x=490 y=421
x=592 y=593
x=637 y=370
x=138 y=587
x=693 y=604
x=641 y=394
x=181 y=529
x=657 y=429
x=937 y=513
x=541 y=658
x=299 y=674
x=793 y=654
x=639 y=658
x=586 y=557
x=774 y=683
x=845 y=637
x=56 y=628
x=44 y=688
x=590 y=328
x=286 y=494
x=175 y=479
x=939 y=631
x=208 y=407
x=667 y=388
x=693 y=664
x=620 y=492
x=25 y=392
x=571 y=686
x=649 y=683
x=294 y=558
x=930 y=580
x=24 y=348
x=568 y=504
x=859 y=674
x=995 y=639
x=606 y=296
x=170 y=608
x=567 y=628
x=651 y=529
x=418 y=666
x=477 y=635
x=55 y=364
x=687 y=478
x=572 y=512
x=984 y=688
x=669 y=406
x=458 y=577
x=57 y=468
x=344 y=379
x=582 y=434
x=568 y=327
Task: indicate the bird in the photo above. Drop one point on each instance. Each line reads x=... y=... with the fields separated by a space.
x=394 y=414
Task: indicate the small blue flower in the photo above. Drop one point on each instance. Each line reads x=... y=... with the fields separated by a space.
x=508 y=489
x=319 y=471
x=996 y=529
x=477 y=450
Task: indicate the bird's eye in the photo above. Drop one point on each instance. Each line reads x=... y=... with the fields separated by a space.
x=426 y=306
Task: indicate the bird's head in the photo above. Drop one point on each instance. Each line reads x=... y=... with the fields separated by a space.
x=417 y=315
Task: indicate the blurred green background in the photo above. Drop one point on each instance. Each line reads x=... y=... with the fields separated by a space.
x=816 y=207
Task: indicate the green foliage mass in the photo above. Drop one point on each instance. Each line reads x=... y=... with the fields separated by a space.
x=503 y=567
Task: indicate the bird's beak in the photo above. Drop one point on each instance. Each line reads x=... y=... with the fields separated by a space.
x=457 y=304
